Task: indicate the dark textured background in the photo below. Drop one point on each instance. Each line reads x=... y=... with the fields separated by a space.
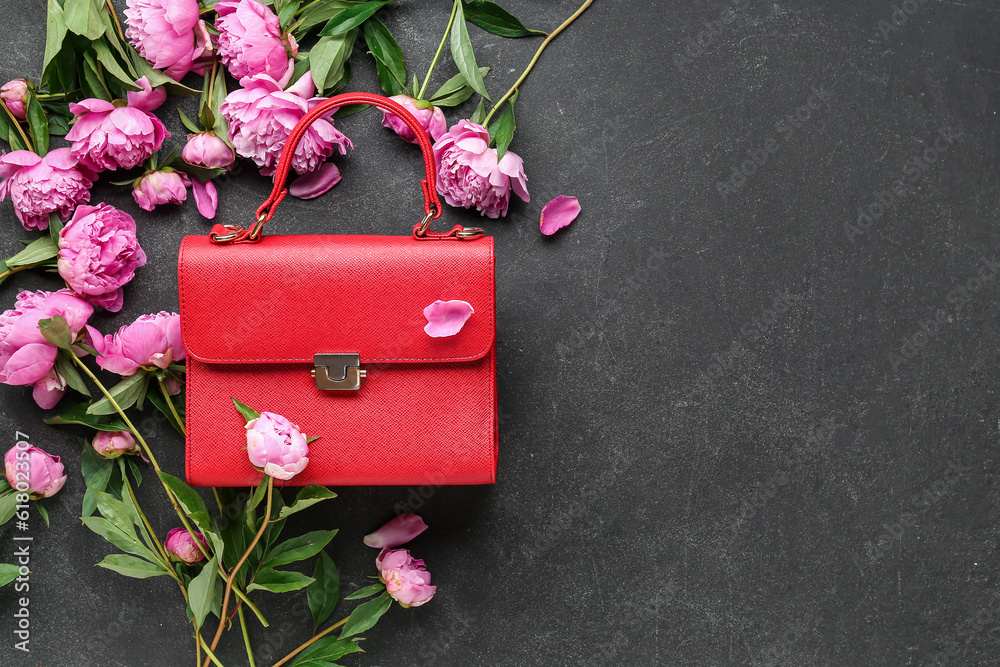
x=708 y=456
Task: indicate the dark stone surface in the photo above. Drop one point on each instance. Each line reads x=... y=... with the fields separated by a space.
x=708 y=455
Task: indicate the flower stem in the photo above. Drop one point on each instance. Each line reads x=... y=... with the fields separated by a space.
x=17 y=124
x=9 y=272
x=114 y=15
x=524 y=75
x=423 y=88
x=306 y=645
x=145 y=521
x=246 y=636
x=236 y=569
x=177 y=417
x=208 y=652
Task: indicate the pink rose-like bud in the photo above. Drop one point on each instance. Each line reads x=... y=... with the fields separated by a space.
x=15 y=95
x=152 y=341
x=168 y=34
x=431 y=119
x=112 y=444
x=406 y=579
x=99 y=253
x=276 y=446
x=180 y=543
x=38 y=186
x=207 y=149
x=398 y=531
x=250 y=40
x=33 y=471
x=154 y=188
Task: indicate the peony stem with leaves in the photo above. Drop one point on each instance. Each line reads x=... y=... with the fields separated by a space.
x=444 y=38
x=173 y=411
x=306 y=645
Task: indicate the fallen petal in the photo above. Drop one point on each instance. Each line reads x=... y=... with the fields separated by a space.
x=400 y=530
x=446 y=318
x=316 y=183
x=205 y=197
x=558 y=213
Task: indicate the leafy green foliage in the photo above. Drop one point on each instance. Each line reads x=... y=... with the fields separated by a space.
x=366 y=615
x=202 y=592
x=366 y=592
x=156 y=398
x=324 y=650
x=307 y=497
x=126 y=393
x=8 y=573
x=329 y=60
x=78 y=415
x=130 y=566
x=298 y=548
x=493 y=18
x=278 y=581
x=454 y=91
x=323 y=594
x=351 y=17
x=248 y=413
x=388 y=56
x=502 y=130
x=462 y=54
x=37 y=251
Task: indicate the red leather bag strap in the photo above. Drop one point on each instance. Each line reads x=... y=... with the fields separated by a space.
x=230 y=234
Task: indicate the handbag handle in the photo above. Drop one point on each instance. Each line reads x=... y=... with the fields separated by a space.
x=432 y=205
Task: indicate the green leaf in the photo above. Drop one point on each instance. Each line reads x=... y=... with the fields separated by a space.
x=8 y=573
x=258 y=495
x=83 y=17
x=55 y=226
x=203 y=174
x=92 y=82
x=117 y=512
x=158 y=78
x=58 y=126
x=479 y=114
x=219 y=92
x=190 y=501
x=111 y=65
x=350 y=109
x=8 y=505
x=324 y=593
x=322 y=13
x=43 y=512
x=78 y=415
x=454 y=91
x=68 y=372
x=462 y=54
x=388 y=57
x=328 y=58
x=502 y=130
x=321 y=652
x=366 y=592
x=126 y=393
x=156 y=398
x=4 y=484
x=55 y=32
x=277 y=581
x=286 y=14
x=493 y=18
x=245 y=410
x=130 y=566
x=351 y=17
x=38 y=125
x=187 y=122
x=307 y=497
x=201 y=592
x=126 y=541
x=56 y=330
x=299 y=548
x=365 y=616
x=37 y=251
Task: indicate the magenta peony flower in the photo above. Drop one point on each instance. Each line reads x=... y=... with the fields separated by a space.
x=469 y=174
x=99 y=253
x=180 y=543
x=250 y=40
x=206 y=149
x=26 y=358
x=431 y=119
x=33 y=471
x=106 y=136
x=406 y=579
x=15 y=95
x=152 y=341
x=169 y=35
x=261 y=116
x=39 y=186
x=166 y=186
x=398 y=531
x=112 y=444
x=276 y=446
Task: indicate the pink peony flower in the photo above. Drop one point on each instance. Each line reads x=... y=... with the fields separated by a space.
x=406 y=579
x=398 y=531
x=169 y=35
x=446 y=318
x=152 y=341
x=166 y=186
x=180 y=543
x=276 y=446
x=106 y=136
x=33 y=471
x=15 y=95
x=206 y=149
x=558 y=213
x=469 y=174
x=112 y=444
x=26 y=358
x=431 y=119
x=99 y=253
x=261 y=116
x=250 y=40
x=39 y=186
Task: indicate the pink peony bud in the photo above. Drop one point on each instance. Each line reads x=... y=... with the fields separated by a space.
x=112 y=444
x=180 y=543
x=206 y=149
x=169 y=34
x=39 y=186
x=398 y=531
x=470 y=175
x=15 y=95
x=431 y=119
x=406 y=579
x=276 y=446
x=33 y=471
x=166 y=186
x=152 y=341
x=99 y=253
x=250 y=40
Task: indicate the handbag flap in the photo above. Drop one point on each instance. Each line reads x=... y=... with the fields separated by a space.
x=287 y=298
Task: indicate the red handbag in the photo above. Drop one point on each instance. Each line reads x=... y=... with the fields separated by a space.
x=328 y=331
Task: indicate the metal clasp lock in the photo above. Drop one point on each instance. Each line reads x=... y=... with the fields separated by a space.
x=337 y=371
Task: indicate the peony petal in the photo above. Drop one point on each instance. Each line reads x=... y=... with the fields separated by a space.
x=147 y=99
x=29 y=364
x=46 y=398
x=446 y=318
x=558 y=213
x=206 y=197
x=314 y=184
x=400 y=530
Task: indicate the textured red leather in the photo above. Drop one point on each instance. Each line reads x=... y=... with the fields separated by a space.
x=253 y=315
